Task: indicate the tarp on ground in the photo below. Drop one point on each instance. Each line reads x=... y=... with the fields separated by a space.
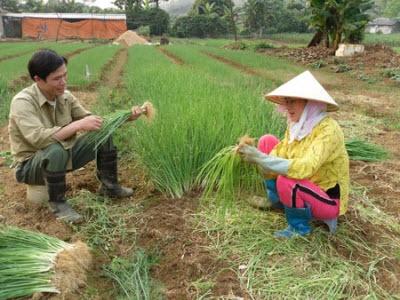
x=43 y=28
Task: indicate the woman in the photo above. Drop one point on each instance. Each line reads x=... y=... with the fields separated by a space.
x=308 y=171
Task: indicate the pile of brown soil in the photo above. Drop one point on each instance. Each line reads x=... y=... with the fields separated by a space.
x=305 y=55
x=379 y=56
x=130 y=38
x=374 y=56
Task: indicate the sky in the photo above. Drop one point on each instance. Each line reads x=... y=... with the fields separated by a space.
x=108 y=3
x=100 y=3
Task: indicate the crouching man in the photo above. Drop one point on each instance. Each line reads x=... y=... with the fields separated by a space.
x=43 y=124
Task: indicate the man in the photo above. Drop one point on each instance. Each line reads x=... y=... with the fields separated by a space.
x=43 y=125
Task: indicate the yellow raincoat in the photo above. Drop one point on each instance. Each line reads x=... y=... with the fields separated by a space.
x=320 y=157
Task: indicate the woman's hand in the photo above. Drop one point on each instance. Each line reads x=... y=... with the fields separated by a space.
x=136 y=113
x=266 y=162
x=249 y=153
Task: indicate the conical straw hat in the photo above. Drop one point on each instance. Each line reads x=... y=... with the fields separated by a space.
x=303 y=86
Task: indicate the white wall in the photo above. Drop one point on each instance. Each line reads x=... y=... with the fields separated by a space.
x=381 y=29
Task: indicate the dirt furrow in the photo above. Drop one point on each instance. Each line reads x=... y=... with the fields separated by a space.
x=175 y=59
x=236 y=65
x=14 y=55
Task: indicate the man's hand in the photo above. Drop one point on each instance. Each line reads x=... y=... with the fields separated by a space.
x=90 y=123
x=136 y=113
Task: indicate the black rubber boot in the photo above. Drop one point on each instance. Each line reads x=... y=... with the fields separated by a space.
x=107 y=173
x=56 y=188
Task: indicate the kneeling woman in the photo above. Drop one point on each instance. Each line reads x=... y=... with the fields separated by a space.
x=308 y=171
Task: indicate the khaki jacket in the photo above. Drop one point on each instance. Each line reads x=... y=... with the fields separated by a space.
x=33 y=121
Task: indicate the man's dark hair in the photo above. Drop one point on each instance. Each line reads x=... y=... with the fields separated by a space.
x=44 y=62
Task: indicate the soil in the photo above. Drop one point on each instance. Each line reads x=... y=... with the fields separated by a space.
x=374 y=55
x=130 y=38
x=166 y=226
x=370 y=65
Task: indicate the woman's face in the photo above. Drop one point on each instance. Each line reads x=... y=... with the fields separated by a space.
x=294 y=108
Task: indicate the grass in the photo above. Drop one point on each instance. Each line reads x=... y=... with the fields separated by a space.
x=365 y=151
x=319 y=266
x=204 y=106
x=86 y=67
x=273 y=69
x=5 y=100
x=215 y=105
x=11 y=49
x=104 y=223
x=18 y=66
x=132 y=277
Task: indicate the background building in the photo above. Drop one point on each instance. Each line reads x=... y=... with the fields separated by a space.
x=62 y=25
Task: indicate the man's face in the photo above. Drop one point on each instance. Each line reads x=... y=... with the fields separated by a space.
x=55 y=83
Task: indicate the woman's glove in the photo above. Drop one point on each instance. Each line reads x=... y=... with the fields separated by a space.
x=266 y=162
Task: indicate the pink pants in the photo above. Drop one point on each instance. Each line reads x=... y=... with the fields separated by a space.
x=299 y=193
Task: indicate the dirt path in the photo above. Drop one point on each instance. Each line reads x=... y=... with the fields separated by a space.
x=236 y=65
x=185 y=262
x=112 y=74
x=175 y=59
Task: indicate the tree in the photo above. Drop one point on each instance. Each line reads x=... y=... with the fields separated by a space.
x=260 y=15
x=392 y=10
x=231 y=14
x=200 y=26
x=338 y=19
x=10 y=5
x=128 y=5
x=218 y=6
x=33 y=6
x=157 y=2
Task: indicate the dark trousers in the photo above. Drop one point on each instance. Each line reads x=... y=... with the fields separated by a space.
x=55 y=158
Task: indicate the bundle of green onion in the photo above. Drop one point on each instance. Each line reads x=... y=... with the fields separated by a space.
x=226 y=177
x=110 y=123
x=28 y=262
x=113 y=121
x=365 y=151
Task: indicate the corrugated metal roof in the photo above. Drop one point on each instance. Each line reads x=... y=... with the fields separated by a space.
x=384 y=22
x=67 y=16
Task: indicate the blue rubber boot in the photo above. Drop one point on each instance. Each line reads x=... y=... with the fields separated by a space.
x=272 y=193
x=298 y=220
x=332 y=224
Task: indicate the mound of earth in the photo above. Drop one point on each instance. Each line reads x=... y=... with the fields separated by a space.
x=130 y=38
